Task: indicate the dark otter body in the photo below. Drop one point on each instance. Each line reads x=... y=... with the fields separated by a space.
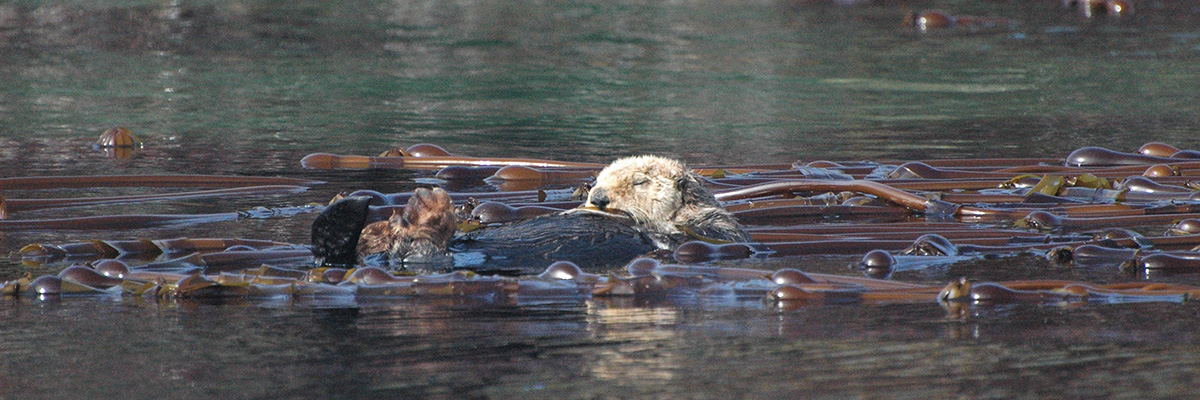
x=595 y=242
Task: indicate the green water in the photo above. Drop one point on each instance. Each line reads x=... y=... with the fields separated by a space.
x=249 y=88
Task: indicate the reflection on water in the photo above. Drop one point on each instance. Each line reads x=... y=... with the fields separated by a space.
x=250 y=87
x=114 y=348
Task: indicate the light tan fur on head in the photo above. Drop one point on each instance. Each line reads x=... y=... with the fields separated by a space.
x=645 y=187
x=662 y=195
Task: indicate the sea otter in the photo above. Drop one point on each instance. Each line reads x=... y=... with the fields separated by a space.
x=638 y=205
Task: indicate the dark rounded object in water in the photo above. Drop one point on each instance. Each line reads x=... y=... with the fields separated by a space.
x=1142 y=185
x=518 y=173
x=1187 y=154
x=789 y=276
x=563 y=270
x=1061 y=256
x=698 y=251
x=117 y=137
x=48 y=284
x=1190 y=226
x=1042 y=221
x=877 y=259
x=791 y=293
x=1090 y=254
x=88 y=277
x=1099 y=156
x=642 y=267
x=111 y=268
x=1160 y=171
x=376 y=198
x=462 y=172
x=427 y=150
x=1157 y=149
x=1122 y=233
x=914 y=170
x=335 y=231
x=334 y=275
x=1114 y=8
x=1169 y=262
x=988 y=292
x=824 y=164
x=931 y=244
x=991 y=292
x=371 y=276
x=877 y=264
x=495 y=212
x=593 y=241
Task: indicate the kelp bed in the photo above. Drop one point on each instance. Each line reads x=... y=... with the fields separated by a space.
x=1095 y=208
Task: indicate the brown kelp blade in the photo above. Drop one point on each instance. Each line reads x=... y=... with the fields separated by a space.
x=57 y=182
x=14 y=205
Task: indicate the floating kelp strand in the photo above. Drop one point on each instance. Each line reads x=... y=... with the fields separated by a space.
x=324 y=290
x=89 y=277
x=114 y=222
x=237 y=259
x=1166 y=262
x=371 y=276
x=59 y=182
x=905 y=199
x=786 y=213
x=528 y=290
x=461 y=172
x=696 y=251
x=1044 y=221
x=139 y=248
x=880 y=264
x=523 y=173
x=1146 y=185
x=670 y=280
x=495 y=212
x=1098 y=156
x=46 y=252
x=947 y=184
x=51 y=285
x=14 y=205
x=997 y=163
x=333 y=161
x=270 y=290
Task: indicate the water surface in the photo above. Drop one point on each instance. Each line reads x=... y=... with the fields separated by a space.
x=248 y=88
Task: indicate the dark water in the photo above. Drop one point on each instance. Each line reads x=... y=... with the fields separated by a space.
x=248 y=88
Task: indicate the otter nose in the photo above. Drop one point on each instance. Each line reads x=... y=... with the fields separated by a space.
x=599 y=198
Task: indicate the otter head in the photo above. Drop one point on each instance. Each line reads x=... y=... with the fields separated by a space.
x=650 y=189
x=423 y=230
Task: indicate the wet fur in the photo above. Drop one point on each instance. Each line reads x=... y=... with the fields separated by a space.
x=424 y=229
x=667 y=203
x=664 y=197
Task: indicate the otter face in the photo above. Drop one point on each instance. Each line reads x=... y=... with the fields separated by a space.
x=649 y=188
